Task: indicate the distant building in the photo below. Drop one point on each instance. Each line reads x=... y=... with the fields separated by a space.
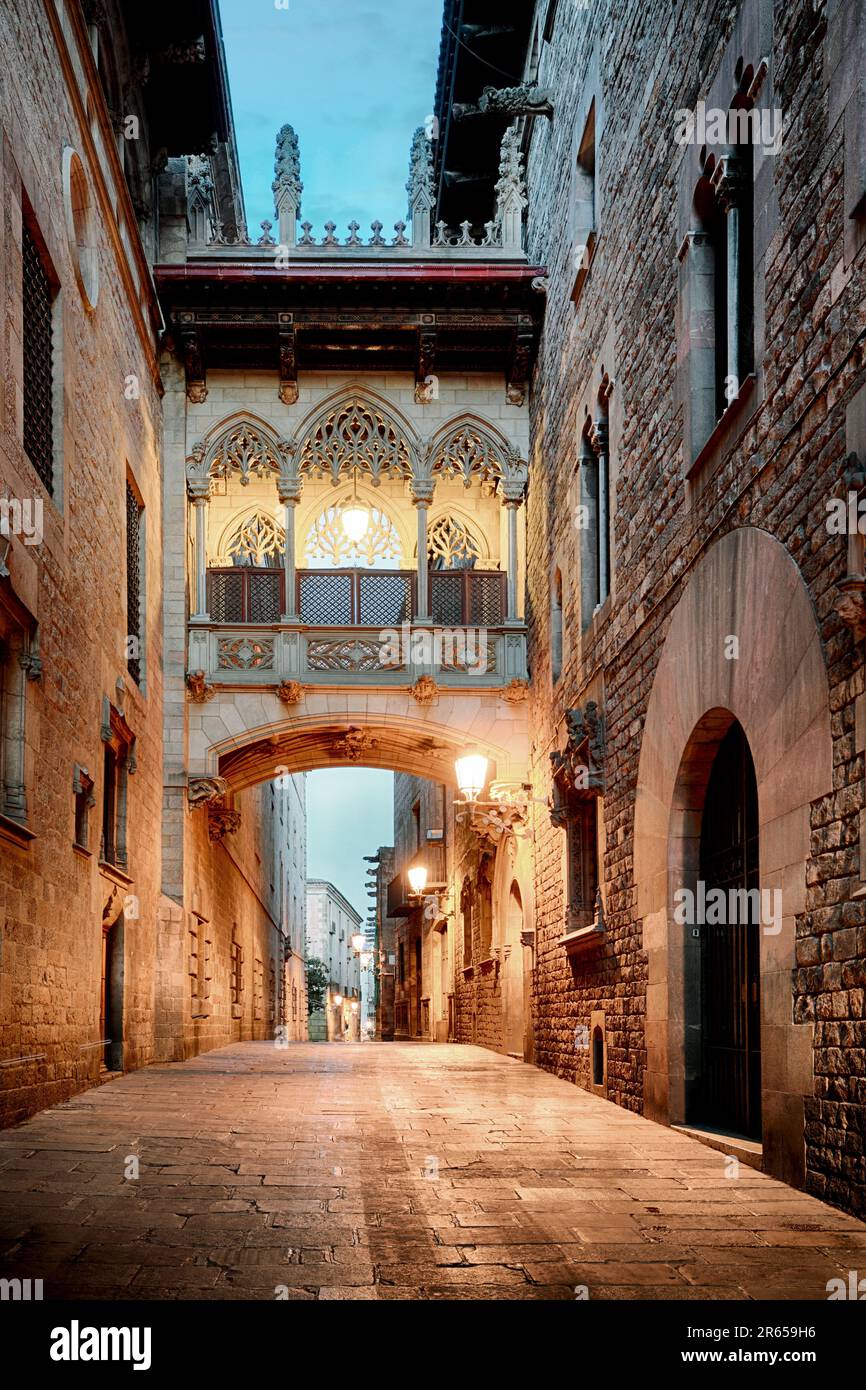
x=331 y=924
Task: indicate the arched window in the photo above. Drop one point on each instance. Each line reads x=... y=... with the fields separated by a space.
x=466 y=914
x=452 y=545
x=258 y=542
x=328 y=544
x=556 y=626
x=484 y=888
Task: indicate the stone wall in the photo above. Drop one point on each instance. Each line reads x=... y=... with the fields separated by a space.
x=72 y=584
x=782 y=454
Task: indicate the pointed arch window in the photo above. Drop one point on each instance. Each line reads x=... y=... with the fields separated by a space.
x=327 y=542
x=452 y=545
x=258 y=542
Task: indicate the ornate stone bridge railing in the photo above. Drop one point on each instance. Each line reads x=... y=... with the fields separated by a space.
x=500 y=238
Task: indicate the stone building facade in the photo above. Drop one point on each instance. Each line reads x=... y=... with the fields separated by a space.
x=331 y=924
x=696 y=613
x=104 y=964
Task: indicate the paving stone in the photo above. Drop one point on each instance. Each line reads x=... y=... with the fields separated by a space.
x=375 y=1233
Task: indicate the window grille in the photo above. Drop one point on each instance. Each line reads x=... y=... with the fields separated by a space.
x=38 y=364
x=133 y=585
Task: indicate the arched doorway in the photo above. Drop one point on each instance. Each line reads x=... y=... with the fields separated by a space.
x=512 y=977
x=726 y=1093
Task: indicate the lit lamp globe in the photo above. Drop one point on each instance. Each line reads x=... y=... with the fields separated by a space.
x=355 y=520
x=338 y=1000
x=417 y=879
x=471 y=775
x=358 y=942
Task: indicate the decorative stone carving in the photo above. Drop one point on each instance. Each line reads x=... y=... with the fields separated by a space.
x=425 y=690
x=451 y=542
x=524 y=100
x=31 y=665
x=245 y=453
x=287 y=186
x=328 y=544
x=578 y=770
x=198 y=689
x=354 y=745
x=222 y=820
x=201 y=790
x=469 y=454
x=517 y=692
x=356 y=438
x=290 y=692
x=352 y=655
x=851 y=604
x=245 y=653
x=258 y=541
x=511 y=196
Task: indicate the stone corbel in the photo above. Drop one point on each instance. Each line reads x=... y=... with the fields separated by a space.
x=424 y=691
x=202 y=790
x=851 y=604
x=31 y=665
x=193 y=360
x=288 y=360
x=425 y=363
x=519 y=363
x=290 y=692
x=198 y=689
x=578 y=769
x=222 y=820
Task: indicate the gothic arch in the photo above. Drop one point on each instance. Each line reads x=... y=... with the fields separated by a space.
x=471 y=447
x=313 y=505
x=747 y=586
x=241 y=519
x=392 y=449
x=257 y=445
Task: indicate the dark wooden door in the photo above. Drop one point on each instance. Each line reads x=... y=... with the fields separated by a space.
x=103 y=1001
x=730 y=1083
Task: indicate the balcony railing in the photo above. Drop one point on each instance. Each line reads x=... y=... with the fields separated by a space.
x=357 y=598
x=358 y=627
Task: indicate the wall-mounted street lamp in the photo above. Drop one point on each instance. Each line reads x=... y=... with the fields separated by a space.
x=417 y=876
x=338 y=1001
x=359 y=941
x=471 y=769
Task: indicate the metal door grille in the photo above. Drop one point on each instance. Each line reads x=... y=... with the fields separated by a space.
x=38 y=365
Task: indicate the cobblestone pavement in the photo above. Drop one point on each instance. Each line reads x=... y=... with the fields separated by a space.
x=395 y=1171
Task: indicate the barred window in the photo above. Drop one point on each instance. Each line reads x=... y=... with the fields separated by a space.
x=133 y=584
x=38 y=360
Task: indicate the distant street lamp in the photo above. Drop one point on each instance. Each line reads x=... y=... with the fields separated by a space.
x=471 y=775
x=338 y=1001
x=358 y=942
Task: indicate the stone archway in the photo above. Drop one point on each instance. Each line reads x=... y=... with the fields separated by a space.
x=250 y=736
x=773 y=681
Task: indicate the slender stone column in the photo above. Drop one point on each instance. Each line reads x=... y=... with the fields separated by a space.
x=290 y=495
x=599 y=441
x=513 y=501
x=731 y=187
x=422 y=496
x=199 y=491
x=14 y=797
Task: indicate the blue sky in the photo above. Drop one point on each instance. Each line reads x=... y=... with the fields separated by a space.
x=350 y=813
x=354 y=77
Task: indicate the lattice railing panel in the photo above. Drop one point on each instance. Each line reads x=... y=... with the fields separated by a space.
x=384 y=600
x=38 y=361
x=485 y=600
x=265 y=598
x=326 y=600
x=226 y=597
x=446 y=598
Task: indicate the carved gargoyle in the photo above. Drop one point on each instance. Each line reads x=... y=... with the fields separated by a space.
x=290 y=692
x=204 y=789
x=199 y=690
